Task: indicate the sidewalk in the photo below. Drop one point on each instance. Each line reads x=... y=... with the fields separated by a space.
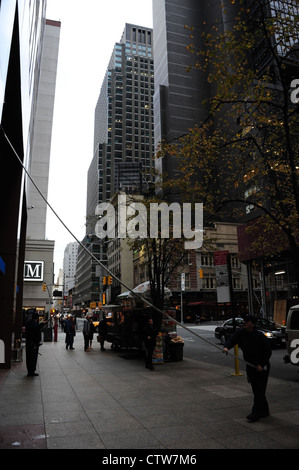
x=108 y=400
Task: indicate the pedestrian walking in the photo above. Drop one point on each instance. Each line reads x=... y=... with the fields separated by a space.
x=33 y=339
x=70 y=332
x=149 y=337
x=257 y=352
x=86 y=332
x=102 y=330
x=92 y=330
x=55 y=329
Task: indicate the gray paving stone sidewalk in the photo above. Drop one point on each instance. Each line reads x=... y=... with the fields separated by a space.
x=109 y=400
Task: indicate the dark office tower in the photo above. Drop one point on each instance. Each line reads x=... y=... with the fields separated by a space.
x=123 y=132
x=281 y=40
x=178 y=94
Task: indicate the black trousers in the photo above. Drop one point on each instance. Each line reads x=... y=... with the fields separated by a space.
x=149 y=350
x=86 y=341
x=31 y=356
x=258 y=381
x=69 y=340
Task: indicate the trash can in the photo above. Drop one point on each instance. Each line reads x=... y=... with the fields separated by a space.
x=176 y=351
x=47 y=334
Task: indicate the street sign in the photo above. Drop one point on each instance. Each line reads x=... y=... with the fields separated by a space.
x=33 y=271
x=220 y=258
x=182 y=281
x=222 y=276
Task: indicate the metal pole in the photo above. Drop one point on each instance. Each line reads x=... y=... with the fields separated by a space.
x=250 y=288
x=237 y=368
x=263 y=291
x=182 y=289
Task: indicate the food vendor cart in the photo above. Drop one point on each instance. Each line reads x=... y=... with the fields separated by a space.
x=126 y=324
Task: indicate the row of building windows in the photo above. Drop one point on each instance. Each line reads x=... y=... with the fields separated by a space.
x=208 y=282
x=141 y=36
x=208 y=260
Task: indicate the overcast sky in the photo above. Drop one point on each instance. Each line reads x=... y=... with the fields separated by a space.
x=89 y=31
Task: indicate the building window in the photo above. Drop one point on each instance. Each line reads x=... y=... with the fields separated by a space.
x=236 y=283
x=207 y=260
x=234 y=261
x=209 y=282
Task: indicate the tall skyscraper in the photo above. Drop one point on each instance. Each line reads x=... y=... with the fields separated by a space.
x=69 y=266
x=179 y=95
x=38 y=248
x=123 y=144
x=178 y=106
x=123 y=132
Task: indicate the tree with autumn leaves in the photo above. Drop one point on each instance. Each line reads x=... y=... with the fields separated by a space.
x=244 y=157
x=158 y=252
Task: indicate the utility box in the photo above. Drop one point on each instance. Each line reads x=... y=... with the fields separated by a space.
x=48 y=336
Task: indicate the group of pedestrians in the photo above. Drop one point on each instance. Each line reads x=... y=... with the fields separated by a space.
x=255 y=347
x=88 y=332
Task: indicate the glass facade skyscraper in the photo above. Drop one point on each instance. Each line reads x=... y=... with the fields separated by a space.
x=123 y=117
x=123 y=144
x=179 y=95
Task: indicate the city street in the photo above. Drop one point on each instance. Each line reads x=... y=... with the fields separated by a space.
x=197 y=349
x=109 y=400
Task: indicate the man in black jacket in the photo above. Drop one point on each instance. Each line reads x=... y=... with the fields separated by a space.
x=256 y=352
x=33 y=339
x=102 y=330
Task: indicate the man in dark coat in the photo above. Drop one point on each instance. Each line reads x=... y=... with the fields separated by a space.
x=102 y=330
x=257 y=352
x=149 y=337
x=33 y=339
x=70 y=330
x=86 y=332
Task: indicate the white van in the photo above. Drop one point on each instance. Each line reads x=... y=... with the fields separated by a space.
x=292 y=336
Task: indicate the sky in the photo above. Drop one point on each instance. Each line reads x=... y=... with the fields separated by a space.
x=89 y=31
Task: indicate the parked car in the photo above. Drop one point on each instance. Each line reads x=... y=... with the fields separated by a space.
x=273 y=332
x=224 y=331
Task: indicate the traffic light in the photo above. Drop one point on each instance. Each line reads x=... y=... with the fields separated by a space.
x=200 y=273
x=104 y=280
x=44 y=286
x=109 y=280
x=104 y=299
